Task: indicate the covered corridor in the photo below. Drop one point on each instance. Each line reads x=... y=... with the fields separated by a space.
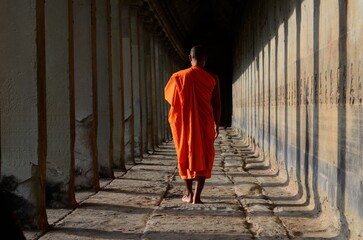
x=86 y=149
x=245 y=199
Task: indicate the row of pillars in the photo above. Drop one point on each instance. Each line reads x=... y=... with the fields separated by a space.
x=81 y=96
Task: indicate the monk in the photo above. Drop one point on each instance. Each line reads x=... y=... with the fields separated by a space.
x=194 y=118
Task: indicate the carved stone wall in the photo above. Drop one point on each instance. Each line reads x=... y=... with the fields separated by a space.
x=297 y=94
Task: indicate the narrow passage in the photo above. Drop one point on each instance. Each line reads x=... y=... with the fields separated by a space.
x=246 y=198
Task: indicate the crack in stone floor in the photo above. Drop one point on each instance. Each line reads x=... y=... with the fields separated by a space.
x=248 y=197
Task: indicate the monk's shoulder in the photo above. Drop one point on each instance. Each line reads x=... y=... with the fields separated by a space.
x=181 y=75
x=182 y=72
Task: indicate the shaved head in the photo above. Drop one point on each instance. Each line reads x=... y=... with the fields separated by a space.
x=198 y=56
x=198 y=52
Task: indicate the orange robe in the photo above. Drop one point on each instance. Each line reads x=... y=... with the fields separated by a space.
x=189 y=93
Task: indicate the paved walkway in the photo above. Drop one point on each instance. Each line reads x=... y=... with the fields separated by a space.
x=246 y=198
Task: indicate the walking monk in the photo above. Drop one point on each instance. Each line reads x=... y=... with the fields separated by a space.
x=194 y=118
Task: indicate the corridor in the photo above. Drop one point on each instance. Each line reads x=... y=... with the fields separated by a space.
x=246 y=198
x=86 y=149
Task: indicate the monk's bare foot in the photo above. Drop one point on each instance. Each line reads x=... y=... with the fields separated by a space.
x=188 y=198
x=197 y=201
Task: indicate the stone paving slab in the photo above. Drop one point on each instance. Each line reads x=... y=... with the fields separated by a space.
x=248 y=197
x=220 y=217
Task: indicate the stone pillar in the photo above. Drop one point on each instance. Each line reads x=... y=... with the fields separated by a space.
x=23 y=110
x=117 y=123
x=86 y=168
x=158 y=97
x=164 y=81
x=127 y=82
x=60 y=104
x=149 y=72
x=135 y=67
x=103 y=37
x=143 y=88
x=167 y=75
x=168 y=61
x=154 y=123
x=160 y=92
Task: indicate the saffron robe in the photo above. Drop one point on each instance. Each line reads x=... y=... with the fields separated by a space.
x=189 y=93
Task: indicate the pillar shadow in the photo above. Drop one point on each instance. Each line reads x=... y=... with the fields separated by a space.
x=269 y=99
x=286 y=103
x=262 y=104
x=276 y=93
x=316 y=115
x=307 y=156
x=312 y=193
x=342 y=122
x=298 y=99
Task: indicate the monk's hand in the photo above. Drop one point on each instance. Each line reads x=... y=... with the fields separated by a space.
x=216 y=128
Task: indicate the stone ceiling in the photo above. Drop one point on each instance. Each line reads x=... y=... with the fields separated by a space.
x=190 y=22
x=209 y=22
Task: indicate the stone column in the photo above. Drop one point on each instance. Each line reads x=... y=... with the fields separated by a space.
x=154 y=124
x=85 y=96
x=166 y=77
x=117 y=123
x=135 y=67
x=161 y=91
x=168 y=61
x=148 y=78
x=103 y=86
x=143 y=88
x=23 y=110
x=127 y=80
x=158 y=86
x=60 y=104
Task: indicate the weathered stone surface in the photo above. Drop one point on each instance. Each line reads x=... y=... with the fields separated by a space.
x=145 y=203
x=85 y=88
x=84 y=167
x=60 y=117
x=104 y=83
x=297 y=93
x=23 y=103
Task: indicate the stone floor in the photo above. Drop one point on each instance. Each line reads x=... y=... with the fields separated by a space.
x=246 y=198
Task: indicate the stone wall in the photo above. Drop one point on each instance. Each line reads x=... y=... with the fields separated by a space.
x=297 y=94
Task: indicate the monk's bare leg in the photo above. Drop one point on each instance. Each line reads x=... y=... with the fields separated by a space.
x=188 y=197
x=199 y=189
